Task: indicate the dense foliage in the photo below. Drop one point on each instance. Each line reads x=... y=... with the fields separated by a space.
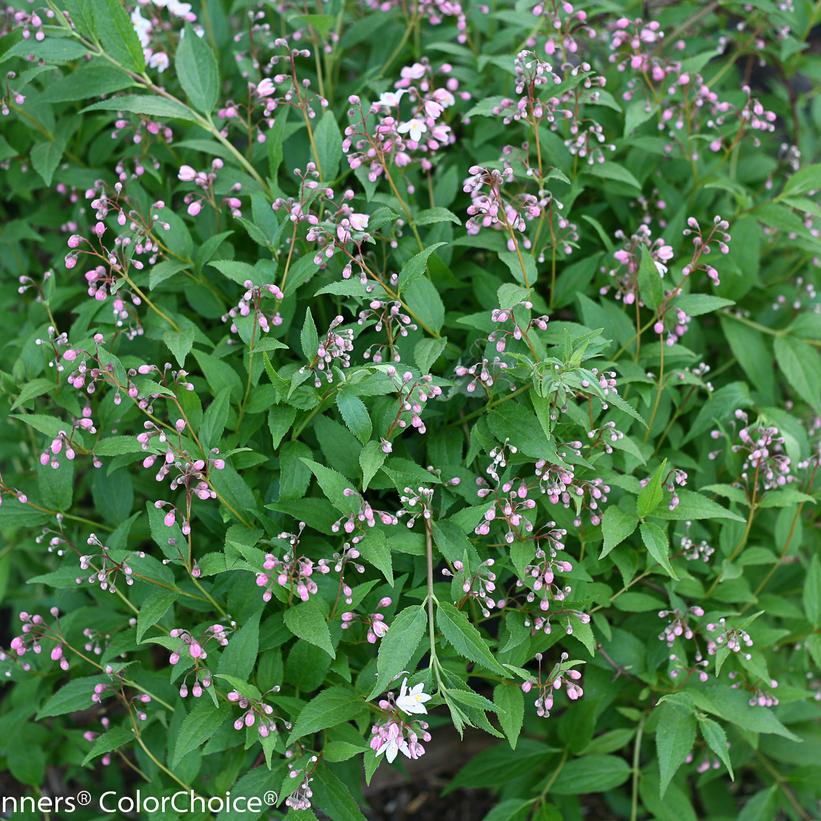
x=378 y=367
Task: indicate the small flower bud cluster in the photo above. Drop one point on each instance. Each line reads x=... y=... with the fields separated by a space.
x=561 y=675
x=492 y=208
x=365 y=516
x=482 y=374
x=561 y=486
x=628 y=259
x=403 y=126
x=63 y=443
x=34 y=630
x=205 y=182
x=114 y=685
x=256 y=714
x=194 y=648
x=703 y=245
x=434 y=11
x=681 y=667
x=334 y=350
x=300 y=799
x=478 y=584
x=251 y=305
x=413 y=394
x=732 y=638
x=565 y=28
x=694 y=551
x=386 y=316
x=633 y=43
x=677 y=624
x=510 y=327
x=510 y=505
x=415 y=504
x=105 y=569
x=375 y=625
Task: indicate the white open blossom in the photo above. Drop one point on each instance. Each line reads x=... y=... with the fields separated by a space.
x=412 y=701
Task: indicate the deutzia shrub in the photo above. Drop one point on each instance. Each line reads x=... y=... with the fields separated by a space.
x=378 y=375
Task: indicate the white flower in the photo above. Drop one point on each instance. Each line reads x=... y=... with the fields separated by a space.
x=158 y=60
x=414 y=129
x=414 y=72
x=142 y=27
x=412 y=701
x=359 y=222
x=390 y=99
x=394 y=745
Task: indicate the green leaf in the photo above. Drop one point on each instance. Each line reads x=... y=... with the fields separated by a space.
x=371 y=458
x=397 y=647
x=424 y=300
x=76 y=695
x=613 y=171
x=415 y=267
x=180 y=343
x=355 y=415
x=309 y=338
x=148 y=104
x=732 y=705
x=427 y=351
x=812 y=592
x=751 y=351
x=90 y=80
x=153 y=609
x=510 y=702
x=239 y=657
x=652 y=493
x=713 y=733
x=117 y=35
x=375 y=550
x=307 y=621
x=763 y=806
x=699 y=304
x=197 y=70
x=333 y=796
x=431 y=216
x=197 y=727
x=650 y=287
x=332 y=706
x=328 y=145
x=334 y=485
x=216 y=415
x=675 y=735
x=522 y=268
x=109 y=741
x=658 y=545
x=616 y=527
x=46 y=156
x=465 y=638
x=801 y=364
x=591 y=774
x=695 y=506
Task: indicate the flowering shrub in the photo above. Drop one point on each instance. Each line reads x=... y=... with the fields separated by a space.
x=387 y=368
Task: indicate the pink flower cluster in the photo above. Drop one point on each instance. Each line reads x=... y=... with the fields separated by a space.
x=677 y=624
x=205 y=181
x=387 y=316
x=63 y=443
x=375 y=625
x=251 y=305
x=404 y=126
x=292 y=572
x=257 y=713
x=561 y=675
x=34 y=631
